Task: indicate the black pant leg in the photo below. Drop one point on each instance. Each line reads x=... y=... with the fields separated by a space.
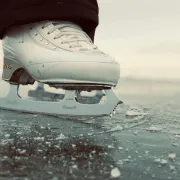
x=17 y=12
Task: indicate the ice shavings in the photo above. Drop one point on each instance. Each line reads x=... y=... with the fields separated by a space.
x=135 y=112
x=154 y=129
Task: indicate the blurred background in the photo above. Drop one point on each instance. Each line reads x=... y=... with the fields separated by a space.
x=144 y=36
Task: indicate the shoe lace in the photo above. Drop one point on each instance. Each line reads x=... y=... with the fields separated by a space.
x=74 y=37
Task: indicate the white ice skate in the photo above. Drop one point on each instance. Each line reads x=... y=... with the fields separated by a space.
x=61 y=55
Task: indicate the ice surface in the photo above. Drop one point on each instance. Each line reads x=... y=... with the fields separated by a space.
x=145 y=129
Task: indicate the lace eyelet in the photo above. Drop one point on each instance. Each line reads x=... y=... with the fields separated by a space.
x=42 y=27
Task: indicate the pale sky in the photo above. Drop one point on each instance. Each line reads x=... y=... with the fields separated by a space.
x=143 y=35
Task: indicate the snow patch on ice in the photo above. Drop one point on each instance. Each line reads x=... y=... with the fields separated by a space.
x=154 y=129
x=135 y=112
x=161 y=161
x=7 y=135
x=117 y=128
x=120 y=148
x=115 y=173
x=172 y=168
x=172 y=156
x=39 y=138
x=61 y=136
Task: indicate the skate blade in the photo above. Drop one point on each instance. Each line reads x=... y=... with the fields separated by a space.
x=68 y=106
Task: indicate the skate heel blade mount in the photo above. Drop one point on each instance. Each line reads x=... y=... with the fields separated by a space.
x=15 y=73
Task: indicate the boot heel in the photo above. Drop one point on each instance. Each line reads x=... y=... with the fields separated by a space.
x=15 y=73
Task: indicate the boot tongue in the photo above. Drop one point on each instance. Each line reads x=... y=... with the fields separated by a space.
x=73 y=27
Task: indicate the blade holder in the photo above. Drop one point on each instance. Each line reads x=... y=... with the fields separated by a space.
x=66 y=107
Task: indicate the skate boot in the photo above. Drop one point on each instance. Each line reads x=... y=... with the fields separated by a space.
x=61 y=55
